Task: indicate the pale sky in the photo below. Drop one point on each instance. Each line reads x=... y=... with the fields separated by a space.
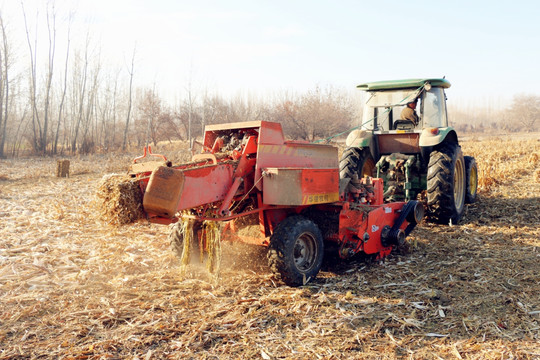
x=485 y=48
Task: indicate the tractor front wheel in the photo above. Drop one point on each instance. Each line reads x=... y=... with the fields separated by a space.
x=446 y=184
x=296 y=250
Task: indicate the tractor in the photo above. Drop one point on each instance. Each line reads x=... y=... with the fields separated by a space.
x=417 y=160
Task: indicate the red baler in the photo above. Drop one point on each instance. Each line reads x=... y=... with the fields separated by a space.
x=290 y=192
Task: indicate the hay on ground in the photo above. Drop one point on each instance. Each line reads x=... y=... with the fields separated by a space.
x=73 y=288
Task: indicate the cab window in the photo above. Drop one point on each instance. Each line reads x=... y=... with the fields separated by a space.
x=433 y=108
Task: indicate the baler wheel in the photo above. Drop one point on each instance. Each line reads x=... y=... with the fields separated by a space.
x=296 y=250
x=471 y=178
x=356 y=161
x=446 y=184
x=176 y=239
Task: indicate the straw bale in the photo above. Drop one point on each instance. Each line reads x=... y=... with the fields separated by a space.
x=119 y=199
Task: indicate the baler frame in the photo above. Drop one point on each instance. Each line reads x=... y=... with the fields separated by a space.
x=248 y=169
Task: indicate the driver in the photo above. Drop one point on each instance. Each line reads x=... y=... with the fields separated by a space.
x=408 y=112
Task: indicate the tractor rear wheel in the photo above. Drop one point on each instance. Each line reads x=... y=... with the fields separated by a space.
x=356 y=161
x=471 y=176
x=446 y=184
x=296 y=250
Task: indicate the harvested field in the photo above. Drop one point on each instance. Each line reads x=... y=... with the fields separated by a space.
x=74 y=287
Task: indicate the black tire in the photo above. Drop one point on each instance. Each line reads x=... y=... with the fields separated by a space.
x=417 y=214
x=471 y=176
x=176 y=239
x=356 y=161
x=296 y=250
x=446 y=184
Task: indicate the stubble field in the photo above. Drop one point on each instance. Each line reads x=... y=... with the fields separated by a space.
x=73 y=287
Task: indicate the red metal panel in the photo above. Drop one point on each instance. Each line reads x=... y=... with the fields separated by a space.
x=320 y=186
x=297 y=155
x=378 y=187
x=377 y=219
x=171 y=190
x=270 y=133
x=354 y=224
x=294 y=186
x=163 y=191
x=294 y=155
x=205 y=185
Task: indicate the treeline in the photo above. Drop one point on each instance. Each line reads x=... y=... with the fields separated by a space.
x=56 y=101
x=521 y=115
x=316 y=114
x=56 y=98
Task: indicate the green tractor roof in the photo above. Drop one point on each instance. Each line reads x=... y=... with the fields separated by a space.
x=403 y=84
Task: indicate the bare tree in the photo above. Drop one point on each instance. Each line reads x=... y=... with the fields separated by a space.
x=64 y=88
x=80 y=89
x=88 y=139
x=131 y=72
x=150 y=112
x=190 y=103
x=36 y=124
x=525 y=110
x=114 y=109
x=168 y=127
x=41 y=126
x=5 y=64
x=320 y=113
x=51 y=28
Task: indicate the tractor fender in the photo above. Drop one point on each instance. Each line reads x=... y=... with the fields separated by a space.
x=359 y=138
x=435 y=136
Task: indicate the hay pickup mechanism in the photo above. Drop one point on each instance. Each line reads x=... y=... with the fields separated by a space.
x=286 y=195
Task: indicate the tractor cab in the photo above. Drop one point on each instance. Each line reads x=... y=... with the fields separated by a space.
x=384 y=130
x=386 y=101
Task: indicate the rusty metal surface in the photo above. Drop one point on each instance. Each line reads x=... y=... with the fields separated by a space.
x=294 y=155
x=205 y=185
x=314 y=156
x=163 y=191
x=407 y=143
x=170 y=190
x=297 y=186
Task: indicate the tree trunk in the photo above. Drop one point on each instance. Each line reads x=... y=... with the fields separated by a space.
x=82 y=93
x=64 y=90
x=52 y=47
x=36 y=123
x=126 y=128
x=4 y=88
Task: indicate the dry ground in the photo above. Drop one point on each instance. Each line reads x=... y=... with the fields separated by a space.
x=72 y=287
